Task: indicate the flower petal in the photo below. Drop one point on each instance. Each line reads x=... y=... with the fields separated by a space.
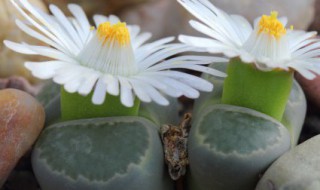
x=44 y=70
x=139 y=90
x=89 y=82
x=126 y=95
x=99 y=93
x=98 y=19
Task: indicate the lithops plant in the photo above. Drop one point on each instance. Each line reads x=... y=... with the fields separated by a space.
x=139 y=158
x=107 y=153
x=84 y=145
x=238 y=142
x=237 y=132
x=229 y=147
x=294 y=113
x=105 y=72
x=49 y=97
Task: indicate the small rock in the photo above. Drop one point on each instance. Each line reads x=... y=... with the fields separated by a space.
x=21 y=121
x=20 y=83
x=311 y=89
x=296 y=170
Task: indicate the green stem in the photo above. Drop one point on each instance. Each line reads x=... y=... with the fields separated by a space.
x=267 y=92
x=75 y=106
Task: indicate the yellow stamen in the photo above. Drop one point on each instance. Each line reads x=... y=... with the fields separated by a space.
x=291 y=27
x=118 y=32
x=271 y=25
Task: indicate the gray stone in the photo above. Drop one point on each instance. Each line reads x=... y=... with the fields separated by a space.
x=298 y=169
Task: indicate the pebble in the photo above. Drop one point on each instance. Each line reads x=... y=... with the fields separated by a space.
x=311 y=89
x=21 y=121
x=295 y=170
x=20 y=83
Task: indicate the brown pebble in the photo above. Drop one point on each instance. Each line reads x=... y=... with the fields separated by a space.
x=20 y=83
x=311 y=89
x=21 y=121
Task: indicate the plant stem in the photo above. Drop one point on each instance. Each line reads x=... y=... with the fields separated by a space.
x=75 y=106
x=264 y=91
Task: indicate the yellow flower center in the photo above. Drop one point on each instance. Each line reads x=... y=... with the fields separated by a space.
x=117 y=32
x=271 y=25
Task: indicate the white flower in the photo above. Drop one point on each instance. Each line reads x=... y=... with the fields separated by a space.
x=269 y=45
x=109 y=58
